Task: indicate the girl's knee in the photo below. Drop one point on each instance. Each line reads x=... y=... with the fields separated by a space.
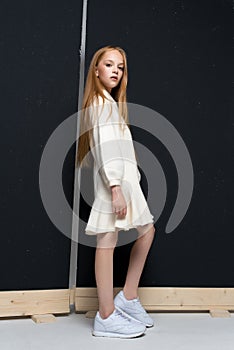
x=146 y=229
x=107 y=240
x=150 y=232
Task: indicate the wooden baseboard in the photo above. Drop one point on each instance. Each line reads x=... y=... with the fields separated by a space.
x=166 y=298
x=217 y=301
x=34 y=302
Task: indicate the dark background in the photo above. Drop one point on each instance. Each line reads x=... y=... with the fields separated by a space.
x=180 y=64
x=40 y=43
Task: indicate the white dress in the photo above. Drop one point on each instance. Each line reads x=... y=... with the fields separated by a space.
x=114 y=164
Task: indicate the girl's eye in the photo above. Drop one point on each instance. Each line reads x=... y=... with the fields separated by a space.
x=109 y=65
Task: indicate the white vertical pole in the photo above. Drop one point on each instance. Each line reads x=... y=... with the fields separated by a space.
x=76 y=195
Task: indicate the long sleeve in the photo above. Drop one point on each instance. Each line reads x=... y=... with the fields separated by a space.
x=107 y=149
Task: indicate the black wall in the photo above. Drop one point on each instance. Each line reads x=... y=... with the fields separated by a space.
x=180 y=64
x=40 y=43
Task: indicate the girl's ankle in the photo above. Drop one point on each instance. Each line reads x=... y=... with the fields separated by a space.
x=129 y=296
x=104 y=314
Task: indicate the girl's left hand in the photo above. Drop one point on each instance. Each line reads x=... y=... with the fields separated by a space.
x=119 y=205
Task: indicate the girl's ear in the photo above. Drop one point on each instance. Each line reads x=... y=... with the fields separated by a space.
x=96 y=72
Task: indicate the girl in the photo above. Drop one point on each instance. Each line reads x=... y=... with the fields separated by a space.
x=119 y=202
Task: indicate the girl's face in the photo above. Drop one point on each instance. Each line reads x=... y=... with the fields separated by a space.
x=110 y=69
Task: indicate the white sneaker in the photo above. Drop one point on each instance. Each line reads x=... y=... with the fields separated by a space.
x=117 y=325
x=133 y=308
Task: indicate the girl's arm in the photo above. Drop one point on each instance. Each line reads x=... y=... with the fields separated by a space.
x=110 y=153
x=108 y=147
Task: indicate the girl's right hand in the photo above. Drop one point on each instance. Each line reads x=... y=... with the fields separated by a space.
x=119 y=205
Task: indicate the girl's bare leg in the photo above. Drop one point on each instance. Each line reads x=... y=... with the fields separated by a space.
x=138 y=256
x=106 y=243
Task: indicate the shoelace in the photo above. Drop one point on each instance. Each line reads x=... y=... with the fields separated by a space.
x=123 y=315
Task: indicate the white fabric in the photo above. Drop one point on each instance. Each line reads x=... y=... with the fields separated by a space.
x=114 y=164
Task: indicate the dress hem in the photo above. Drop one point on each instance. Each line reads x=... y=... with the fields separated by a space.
x=126 y=228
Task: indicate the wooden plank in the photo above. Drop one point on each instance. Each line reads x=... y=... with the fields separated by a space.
x=27 y=303
x=166 y=298
x=187 y=296
x=48 y=318
x=219 y=313
x=91 y=314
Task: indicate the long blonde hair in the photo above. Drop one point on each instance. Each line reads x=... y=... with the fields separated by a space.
x=93 y=89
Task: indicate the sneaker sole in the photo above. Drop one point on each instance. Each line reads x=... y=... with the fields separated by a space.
x=149 y=325
x=116 y=335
